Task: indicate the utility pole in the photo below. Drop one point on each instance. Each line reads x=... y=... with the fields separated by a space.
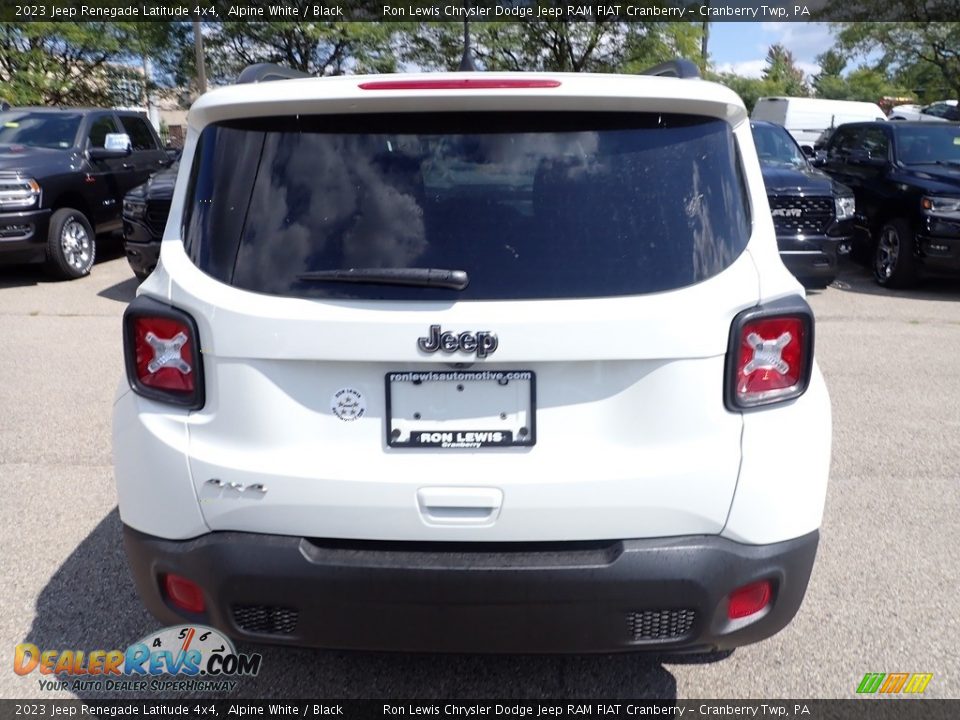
x=704 y=39
x=145 y=95
x=198 y=49
x=466 y=62
x=153 y=113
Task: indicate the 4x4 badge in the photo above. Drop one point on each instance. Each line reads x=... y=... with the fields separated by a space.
x=482 y=343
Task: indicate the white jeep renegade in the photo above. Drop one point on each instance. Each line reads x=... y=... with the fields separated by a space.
x=472 y=362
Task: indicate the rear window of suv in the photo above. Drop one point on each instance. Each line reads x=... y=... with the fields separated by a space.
x=529 y=205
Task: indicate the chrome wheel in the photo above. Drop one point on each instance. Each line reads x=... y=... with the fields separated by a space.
x=77 y=245
x=888 y=252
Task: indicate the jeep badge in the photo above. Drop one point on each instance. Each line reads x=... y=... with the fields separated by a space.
x=482 y=343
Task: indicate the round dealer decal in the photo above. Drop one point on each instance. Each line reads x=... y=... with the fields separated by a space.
x=348 y=404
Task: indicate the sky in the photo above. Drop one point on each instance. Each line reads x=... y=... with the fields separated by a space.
x=742 y=47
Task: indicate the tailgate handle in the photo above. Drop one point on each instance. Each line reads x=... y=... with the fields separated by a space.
x=459 y=506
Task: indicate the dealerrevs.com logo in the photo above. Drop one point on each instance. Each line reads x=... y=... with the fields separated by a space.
x=198 y=657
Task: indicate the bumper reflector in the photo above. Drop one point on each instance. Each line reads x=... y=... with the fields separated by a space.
x=749 y=599
x=183 y=593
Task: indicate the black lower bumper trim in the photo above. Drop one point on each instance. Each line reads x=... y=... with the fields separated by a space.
x=23 y=235
x=665 y=595
x=940 y=255
x=143 y=258
x=813 y=259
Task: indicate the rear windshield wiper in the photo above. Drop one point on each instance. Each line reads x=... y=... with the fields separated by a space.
x=418 y=277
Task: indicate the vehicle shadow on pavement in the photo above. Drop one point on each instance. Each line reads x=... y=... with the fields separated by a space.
x=90 y=604
x=12 y=276
x=859 y=279
x=21 y=275
x=123 y=292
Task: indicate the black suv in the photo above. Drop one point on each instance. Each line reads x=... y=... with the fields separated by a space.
x=812 y=214
x=145 y=210
x=63 y=174
x=906 y=178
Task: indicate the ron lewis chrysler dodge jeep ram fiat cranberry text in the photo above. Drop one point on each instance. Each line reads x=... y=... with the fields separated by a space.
x=472 y=362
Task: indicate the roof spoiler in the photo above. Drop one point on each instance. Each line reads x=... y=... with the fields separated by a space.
x=679 y=68
x=267 y=72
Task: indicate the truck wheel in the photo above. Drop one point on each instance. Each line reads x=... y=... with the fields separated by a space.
x=71 y=244
x=893 y=262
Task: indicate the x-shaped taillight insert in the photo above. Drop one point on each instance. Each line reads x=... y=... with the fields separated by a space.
x=166 y=352
x=767 y=354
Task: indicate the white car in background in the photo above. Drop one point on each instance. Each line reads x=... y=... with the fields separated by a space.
x=501 y=362
x=807 y=118
x=943 y=111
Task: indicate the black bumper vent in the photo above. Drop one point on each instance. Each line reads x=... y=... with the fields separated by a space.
x=661 y=624
x=265 y=619
x=16 y=232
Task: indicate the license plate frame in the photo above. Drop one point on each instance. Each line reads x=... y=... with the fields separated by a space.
x=442 y=435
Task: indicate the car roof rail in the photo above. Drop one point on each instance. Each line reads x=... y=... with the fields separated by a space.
x=267 y=72
x=678 y=68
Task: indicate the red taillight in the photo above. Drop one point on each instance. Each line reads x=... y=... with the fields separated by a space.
x=749 y=599
x=184 y=594
x=459 y=84
x=163 y=358
x=770 y=356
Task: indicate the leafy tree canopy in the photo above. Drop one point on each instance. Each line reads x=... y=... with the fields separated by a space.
x=562 y=46
x=921 y=50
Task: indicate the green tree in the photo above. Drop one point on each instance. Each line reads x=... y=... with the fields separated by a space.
x=781 y=77
x=867 y=84
x=832 y=63
x=870 y=85
x=919 y=43
x=782 y=72
x=829 y=82
x=55 y=63
x=924 y=81
x=560 y=46
x=317 y=48
x=79 y=63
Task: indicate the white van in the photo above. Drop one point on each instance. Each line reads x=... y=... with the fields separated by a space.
x=807 y=118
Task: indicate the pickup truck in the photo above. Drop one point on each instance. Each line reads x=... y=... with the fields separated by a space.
x=63 y=175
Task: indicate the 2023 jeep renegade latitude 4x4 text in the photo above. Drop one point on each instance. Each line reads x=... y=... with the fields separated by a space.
x=461 y=362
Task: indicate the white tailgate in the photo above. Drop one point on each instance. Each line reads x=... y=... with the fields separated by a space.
x=632 y=438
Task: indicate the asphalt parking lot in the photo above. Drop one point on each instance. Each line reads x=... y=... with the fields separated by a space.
x=883 y=598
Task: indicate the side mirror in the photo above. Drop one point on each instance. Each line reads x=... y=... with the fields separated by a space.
x=117 y=141
x=862 y=157
x=819 y=158
x=115 y=145
x=808 y=151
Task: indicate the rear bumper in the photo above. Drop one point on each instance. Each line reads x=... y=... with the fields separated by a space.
x=666 y=594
